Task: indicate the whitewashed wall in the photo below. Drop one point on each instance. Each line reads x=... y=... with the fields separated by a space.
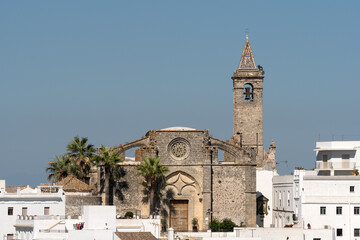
x=264 y=180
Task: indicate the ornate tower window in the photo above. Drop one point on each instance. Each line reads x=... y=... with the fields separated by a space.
x=248 y=92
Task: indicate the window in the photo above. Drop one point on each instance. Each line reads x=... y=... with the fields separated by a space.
x=356 y=210
x=338 y=210
x=339 y=232
x=10 y=237
x=288 y=199
x=325 y=158
x=356 y=232
x=316 y=238
x=10 y=211
x=345 y=156
x=279 y=199
x=24 y=211
x=322 y=210
x=352 y=188
x=46 y=210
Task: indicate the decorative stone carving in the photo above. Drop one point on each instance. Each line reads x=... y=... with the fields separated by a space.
x=179 y=148
x=180 y=181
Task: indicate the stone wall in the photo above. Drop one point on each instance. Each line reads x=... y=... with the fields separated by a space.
x=128 y=195
x=234 y=194
x=73 y=204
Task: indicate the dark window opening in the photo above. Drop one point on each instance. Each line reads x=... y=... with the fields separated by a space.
x=322 y=210
x=10 y=211
x=356 y=210
x=248 y=93
x=339 y=232
x=338 y=210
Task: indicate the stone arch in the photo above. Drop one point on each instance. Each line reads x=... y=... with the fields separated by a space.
x=226 y=147
x=137 y=143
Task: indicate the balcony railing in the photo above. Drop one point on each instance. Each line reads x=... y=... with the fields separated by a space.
x=335 y=165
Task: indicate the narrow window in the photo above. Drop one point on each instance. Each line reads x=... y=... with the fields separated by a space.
x=46 y=210
x=322 y=210
x=356 y=210
x=24 y=211
x=248 y=92
x=280 y=199
x=288 y=199
x=316 y=238
x=356 y=232
x=352 y=188
x=339 y=232
x=325 y=157
x=345 y=156
x=10 y=211
x=338 y=210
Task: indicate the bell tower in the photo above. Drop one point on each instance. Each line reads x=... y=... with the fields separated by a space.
x=248 y=104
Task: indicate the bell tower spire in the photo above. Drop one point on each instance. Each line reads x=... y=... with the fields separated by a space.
x=248 y=103
x=247 y=61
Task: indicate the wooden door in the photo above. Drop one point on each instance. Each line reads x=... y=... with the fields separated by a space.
x=179 y=215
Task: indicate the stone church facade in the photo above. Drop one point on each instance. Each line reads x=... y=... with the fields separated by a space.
x=199 y=184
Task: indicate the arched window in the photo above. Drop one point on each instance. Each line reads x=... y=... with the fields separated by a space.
x=248 y=92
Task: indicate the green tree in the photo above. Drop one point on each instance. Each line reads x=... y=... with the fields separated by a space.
x=58 y=169
x=61 y=168
x=81 y=153
x=108 y=159
x=153 y=174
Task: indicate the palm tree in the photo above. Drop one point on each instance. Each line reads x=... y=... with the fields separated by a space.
x=59 y=169
x=81 y=153
x=108 y=159
x=153 y=174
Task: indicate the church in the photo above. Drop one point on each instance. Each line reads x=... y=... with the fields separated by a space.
x=208 y=178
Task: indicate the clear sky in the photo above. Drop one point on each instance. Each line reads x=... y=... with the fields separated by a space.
x=112 y=70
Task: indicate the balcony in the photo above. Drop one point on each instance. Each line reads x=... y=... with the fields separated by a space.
x=344 y=164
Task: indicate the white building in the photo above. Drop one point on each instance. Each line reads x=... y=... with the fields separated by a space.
x=264 y=193
x=283 y=204
x=332 y=202
x=327 y=197
x=337 y=158
x=95 y=222
x=25 y=201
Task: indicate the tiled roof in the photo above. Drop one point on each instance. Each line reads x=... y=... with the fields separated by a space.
x=13 y=189
x=72 y=184
x=247 y=61
x=135 y=236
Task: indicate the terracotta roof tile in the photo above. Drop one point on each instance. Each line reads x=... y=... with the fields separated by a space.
x=135 y=236
x=13 y=189
x=72 y=184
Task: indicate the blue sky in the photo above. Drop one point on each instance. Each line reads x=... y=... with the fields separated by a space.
x=112 y=70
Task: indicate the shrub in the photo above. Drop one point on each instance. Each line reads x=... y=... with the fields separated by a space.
x=226 y=225
x=129 y=215
x=215 y=225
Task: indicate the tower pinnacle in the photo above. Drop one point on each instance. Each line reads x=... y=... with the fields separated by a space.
x=247 y=61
